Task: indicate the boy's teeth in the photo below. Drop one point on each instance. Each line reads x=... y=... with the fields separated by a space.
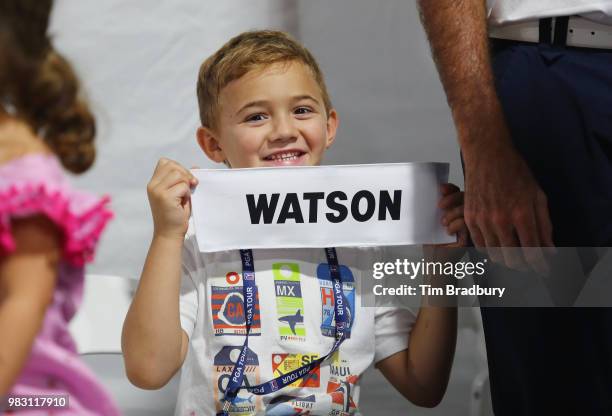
x=284 y=156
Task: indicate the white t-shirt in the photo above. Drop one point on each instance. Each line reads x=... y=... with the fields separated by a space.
x=292 y=325
x=506 y=11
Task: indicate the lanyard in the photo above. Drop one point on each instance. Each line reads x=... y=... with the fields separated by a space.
x=343 y=323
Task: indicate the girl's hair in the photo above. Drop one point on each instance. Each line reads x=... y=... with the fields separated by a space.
x=41 y=86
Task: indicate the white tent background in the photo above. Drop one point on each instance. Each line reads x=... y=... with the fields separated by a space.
x=138 y=62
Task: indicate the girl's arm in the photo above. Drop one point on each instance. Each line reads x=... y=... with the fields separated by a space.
x=153 y=342
x=421 y=372
x=27 y=281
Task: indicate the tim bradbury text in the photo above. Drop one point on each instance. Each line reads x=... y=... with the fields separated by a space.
x=429 y=290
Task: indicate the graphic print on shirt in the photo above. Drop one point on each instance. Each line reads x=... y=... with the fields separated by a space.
x=326 y=285
x=284 y=405
x=285 y=363
x=227 y=304
x=337 y=401
x=341 y=393
x=339 y=366
x=289 y=302
x=223 y=364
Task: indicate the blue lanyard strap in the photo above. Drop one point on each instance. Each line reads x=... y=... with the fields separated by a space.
x=342 y=319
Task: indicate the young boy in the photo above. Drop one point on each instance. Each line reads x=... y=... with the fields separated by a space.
x=263 y=102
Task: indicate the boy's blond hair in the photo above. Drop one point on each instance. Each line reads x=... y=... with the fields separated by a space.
x=244 y=53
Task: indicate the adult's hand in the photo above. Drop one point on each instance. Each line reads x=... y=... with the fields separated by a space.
x=505 y=208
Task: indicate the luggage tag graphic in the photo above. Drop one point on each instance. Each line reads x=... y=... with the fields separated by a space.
x=223 y=364
x=339 y=366
x=341 y=392
x=284 y=405
x=285 y=363
x=289 y=302
x=326 y=285
x=227 y=305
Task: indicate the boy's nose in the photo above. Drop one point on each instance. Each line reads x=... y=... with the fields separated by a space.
x=284 y=129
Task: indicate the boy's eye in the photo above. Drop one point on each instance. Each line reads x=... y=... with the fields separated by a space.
x=303 y=110
x=256 y=117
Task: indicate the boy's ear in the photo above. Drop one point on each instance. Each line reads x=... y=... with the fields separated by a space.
x=332 y=127
x=210 y=145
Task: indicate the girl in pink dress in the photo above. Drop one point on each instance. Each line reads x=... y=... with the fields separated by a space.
x=48 y=230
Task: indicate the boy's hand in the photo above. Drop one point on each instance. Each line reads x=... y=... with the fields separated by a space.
x=451 y=204
x=169 y=192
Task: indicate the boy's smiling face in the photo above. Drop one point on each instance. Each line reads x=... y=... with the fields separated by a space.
x=271 y=116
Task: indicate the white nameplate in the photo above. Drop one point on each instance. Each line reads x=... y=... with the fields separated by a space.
x=319 y=206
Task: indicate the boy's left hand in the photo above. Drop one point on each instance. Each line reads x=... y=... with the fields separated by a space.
x=451 y=204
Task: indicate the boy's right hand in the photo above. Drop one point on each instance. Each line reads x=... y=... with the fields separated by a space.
x=169 y=192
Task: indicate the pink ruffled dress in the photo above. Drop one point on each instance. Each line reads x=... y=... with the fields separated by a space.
x=36 y=185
